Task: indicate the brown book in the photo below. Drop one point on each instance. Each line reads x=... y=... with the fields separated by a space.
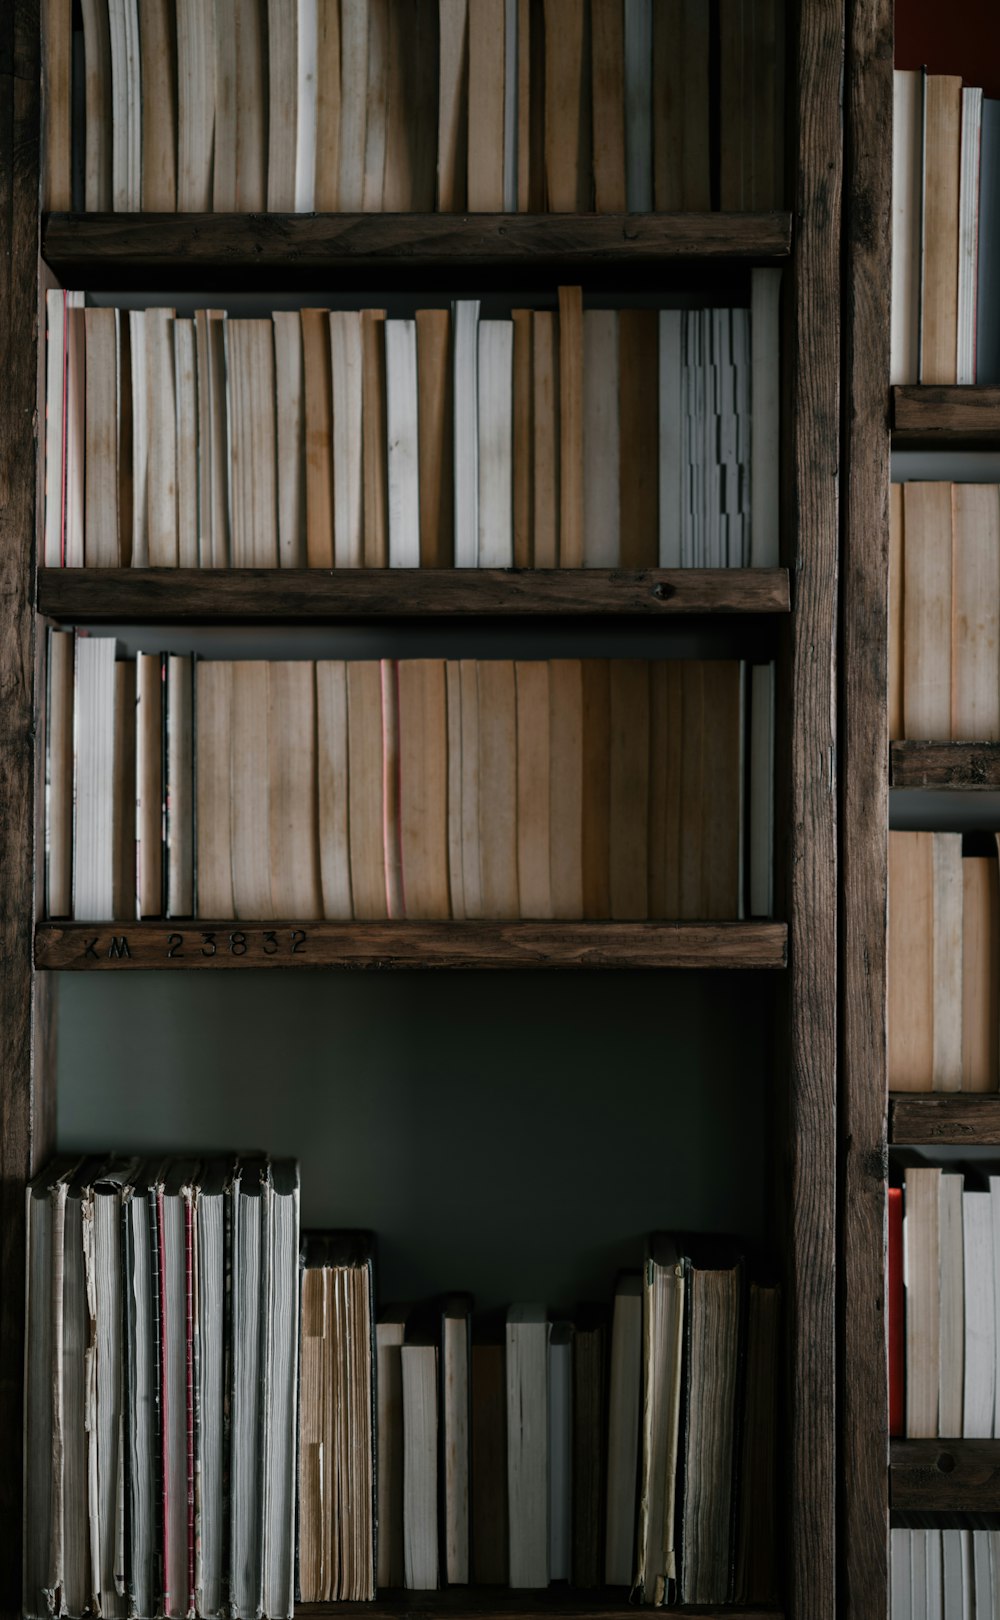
x=571 y=427
x=698 y=767
x=100 y=535
x=411 y=144
x=456 y=870
x=98 y=122
x=639 y=430
x=158 y=67
x=250 y=784
x=57 y=69
x=565 y=786
x=365 y=791
x=756 y=1574
x=489 y=1465
x=332 y=787
x=546 y=439
x=186 y=395
x=327 y=105
x=319 y=438
x=149 y=784
x=59 y=743
x=435 y=439
x=590 y=1429
x=628 y=771
x=921 y=1235
x=927 y=585
x=126 y=451
x=123 y=877
x=910 y=962
x=524 y=435
x=895 y=704
x=289 y=385
x=313 y=1524
x=292 y=789
x=486 y=106
x=453 y=105
x=530 y=107
x=347 y=395
x=980 y=973
x=601 y=440
x=249 y=25
x=598 y=852
x=681 y=107
x=939 y=276
x=213 y=446
x=423 y=787
x=472 y=883
x=196 y=59
x=498 y=788
x=975 y=622
x=533 y=837
x=392 y=848
x=665 y=786
x=161 y=422
x=608 y=101
x=567 y=110
x=213 y=863
x=722 y=788
x=374 y=450
x=252 y=444
x=282 y=41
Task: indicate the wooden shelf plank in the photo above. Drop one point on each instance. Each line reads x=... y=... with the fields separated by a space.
x=946 y=415
x=944 y=765
x=202 y=944
x=499 y=1603
x=947 y=1118
x=113 y=594
x=945 y=1476
x=87 y=244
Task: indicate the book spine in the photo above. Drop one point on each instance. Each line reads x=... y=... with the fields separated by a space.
x=895 y=1313
x=157 y=1284
x=190 y=1396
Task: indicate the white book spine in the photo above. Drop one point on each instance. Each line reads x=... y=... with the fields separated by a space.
x=968 y=233
x=496 y=444
x=55 y=424
x=980 y=1321
x=305 y=134
x=465 y=314
x=75 y=423
x=671 y=438
x=93 y=753
x=401 y=420
x=601 y=449
x=346 y=372
x=639 y=105
x=527 y=1451
x=995 y=1213
x=765 y=344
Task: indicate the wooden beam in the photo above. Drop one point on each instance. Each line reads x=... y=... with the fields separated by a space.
x=944 y=765
x=946 y=1476
x=945 y=1118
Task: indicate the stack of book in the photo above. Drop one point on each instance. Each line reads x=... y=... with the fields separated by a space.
x=944 y=612
x=493 y=105
x=323 y=438
x=944 y=1574
x=412 y=788
x=949 y=1349
x=162 y=1372
x=943 y=963
x=629 y=1447
x=945 y=231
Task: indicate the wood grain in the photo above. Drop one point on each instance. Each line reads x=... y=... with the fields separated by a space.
x=940 y=415
x=948 y=1120
x=863 y=1520
x=944 y=765
x=292 y=944
x=945 y=1476
x=113 y=594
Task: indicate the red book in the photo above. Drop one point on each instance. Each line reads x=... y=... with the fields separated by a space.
x=896 y=1324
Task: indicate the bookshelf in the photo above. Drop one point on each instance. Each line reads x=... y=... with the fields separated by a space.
x=797 y=953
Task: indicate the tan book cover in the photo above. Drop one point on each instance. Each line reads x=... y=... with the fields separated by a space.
x=123 y=840
x=365 y=791
x=571 y=427
x=895 y=651
x=375 y=460
x=100 y=535
x=599 y=855
x=939 y=282
x=524 y=434
x=186 y=395
x=975 y=612
x=456 y=869
x=722 y=788
x=293 y=828
x=347 y=392
x=316 y=1517
x=602 y=494
x=149 y=784
x=681 y=107
x=546 y=439
x=639 y=436
x=910 y=962
x=282 y=38
x=951 y=1363
x=354 y=32
x=57 y=70
x=629 y=788
x=289 y=385
x=947 y=945
x=567 y=109
x=377 y=106
x=252 y=444
x=453 y=106
x=97 y=103
x=332 y=787
x=161 y=419
x=250 y=787
x=472 y=882
x=327 y=186
x=423 y=787
x=158 y=67
x=196 y=56
x=435 y=439
x=248 y=21
x=319 y=438
x=533 y=834
x=411 y=134
x=59 y=744
x=921 y=1237
x=566 y=786
x=980 y=973
x=215 y=445
x=486 y=103
x=498 y=788
x=927 y=615
x=392 y=847
x=665 y=787
x=607 y=55
x=213 y=787
x=224 y=147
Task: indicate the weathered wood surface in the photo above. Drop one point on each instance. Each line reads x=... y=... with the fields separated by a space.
x=863 y=1440
x=940 y=414
x=199 y=944
x=946 y=1476
x=944 y=764
x=25 y=1135
x=945 y=1118
x=114 y=594
x=85 y=243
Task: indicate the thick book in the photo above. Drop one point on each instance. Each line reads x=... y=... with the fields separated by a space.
x=93 y=778
x=940 y=240
x=907 y=223
x=421 y=1486
x=455 y=1368
x=526 y=1343
x=624 y=1408
x=927 y=611
x=951 y=1341
x=663 y=1290
x=980 y=1324
x=895 y=1310
x=590 y=1441
x=921 y=1248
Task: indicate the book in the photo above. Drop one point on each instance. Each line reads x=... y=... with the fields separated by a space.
x=910 y=962
x=319 y=438
x=638 y=405
x=289 y=387
x=486 y=70
x=951 y=1265
x=980 y=1323
x=60 y=702
x=495 y=547
x=663 y=1290
x=465 y=322
x=403 y=448
x=453 y=109
x=93 y=778
x=987 y=324
x=213 y=706
x=895 y=1308
x=975 y=622
x=624 y=1406
x=921 y=1240
x=497 y=774
x=365 y=789
x=346 y=372
x=526 y=1342
x=765 y=417
x=638 y=55
x=420 y=1463
x=567 y=121
x=250 y=790
x=100 y=535
x=455 y=1428
x=178 y=794
x=434 y=438
x=968 y=212
x=590 y=1438
x=940 y=234
x=560 y=1450
x=681 y=119
x=607 y=23
x=571 y=450
x=927 y=611
x=980 y=973
x=292 y=798
x=423 y=787
x=389 y=1335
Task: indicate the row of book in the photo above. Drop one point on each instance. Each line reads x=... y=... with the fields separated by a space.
x=631 y=1447
x=944 y=1574
x=945 y=231
x=943 y=962
x=414 y=788
x=339 y=438
x=944 y=612
x=948 y=1354
x=459 y=105
x=162 y=1370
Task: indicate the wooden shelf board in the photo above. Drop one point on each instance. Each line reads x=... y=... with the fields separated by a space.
x=113 y=594
x=945 y=1476
x=920 y=1117
x=84 y=245
x=501 y=1603
x=946 y=415
x=202 y=944
x=944 y=765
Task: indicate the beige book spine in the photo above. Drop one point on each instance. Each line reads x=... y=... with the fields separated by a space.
x=249 y=24
x=293 y=831
x=567 y=115
x=722 y=788
x=213 y=863
x=59 y=897
x=927 y=612
x=76 y=416
x=186 y=396
x=126 y=446
x=423 y=787
x=224 y=148
x=696 y=768
x=347 y=377
x=524 y=435
x=100 y=535
x=219 y=551
x=975 y=616
x=922 y=1199
x=375 y=451
x=597 y=851
x=565 y=786
x=57 y=70
x=97 y=102
x=283 y=104
x=681 y=174
x=161 y=417
x=639 y=434
x=896 y=648
x=332 y=787
x=123 y=877
x=629 y=788
x=498 y=788
x=353 y=105
x=486 y=104
x=980 y=973
x=608 y=103
x=395 y=900
x=602 y=494
x=456 y=869
x=365 y=812
x=453 y=106
x=289 y=382
x=471 y=874
x=910 y=962
x=149 y=784
x=435 y=439
x=947 y=1015
x=179 y=792
x=327 y=105
x=951 y=1342
x=546 y=438
x=376 y=175
x=939 y=301
x=196 y=58
x=319 y=438
x=241 y=406
x=533 y=835
x=158 y=66
x=571 y=427
x=253 y=444
x=250 y=781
